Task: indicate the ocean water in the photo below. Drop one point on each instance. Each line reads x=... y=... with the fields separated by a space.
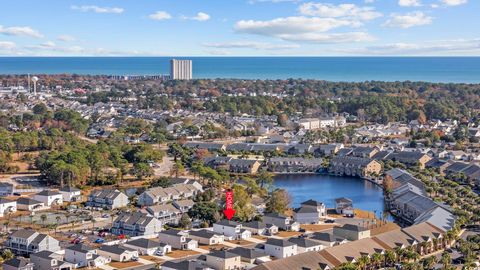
x=351 y=69
x=326 y=188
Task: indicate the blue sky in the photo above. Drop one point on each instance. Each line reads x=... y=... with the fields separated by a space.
x=239 y=27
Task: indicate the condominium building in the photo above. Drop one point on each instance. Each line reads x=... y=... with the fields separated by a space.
x=180 y=69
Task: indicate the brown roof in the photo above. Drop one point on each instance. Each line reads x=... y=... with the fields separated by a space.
x=423 y=232
x=354 y=250
x=312 y=260
x=393 y=239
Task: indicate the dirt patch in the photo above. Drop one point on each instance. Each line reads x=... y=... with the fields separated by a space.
x=288 y=234
x=364 y=214
x=121 y=265
x=384 y=228
x=152 y=259
x=213 y=247
x=316 y=227
x=182 y=253
x=260 y=237
x=241 y=242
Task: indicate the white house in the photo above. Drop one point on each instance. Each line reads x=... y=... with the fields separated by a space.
x=310 y=212
x=71 y=194
x=7 y=206
x=148 y=246
x=84 y=256
x=207 y=237
x=117 y=253
x=231 y=230
x=305 y=244
x=177 y=239
x=31 y=205
x=280 y=248
x=49 y=197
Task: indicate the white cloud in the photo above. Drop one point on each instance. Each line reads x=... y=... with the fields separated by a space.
x=408 y=20
x=409 y=3
x=160 y=16
x=7 y=45
x=201 y=17
x=97 y=9
x=305 y=29
x=434 y=47
x=351 y=11
x=66 y=38
x=20 y=31
x=273 y=1
x=291 y=25
x=250 y=45
x=454 y=2
x=218 y=52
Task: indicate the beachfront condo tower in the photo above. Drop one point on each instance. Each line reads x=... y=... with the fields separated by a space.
x=180 y=69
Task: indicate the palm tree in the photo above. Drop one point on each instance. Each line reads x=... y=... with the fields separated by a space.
x=7 y=254
x=58 y=218
x=435 y=244
x=43 y=217
x=429 y=262
x=363 y=262
x=399 y=252
x=389 y=257
x=93 y=222
x=446 y=260
x=348 y=266
x=6 y=223
x=376 y=259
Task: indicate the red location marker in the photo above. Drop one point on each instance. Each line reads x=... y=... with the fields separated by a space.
x=229 y=211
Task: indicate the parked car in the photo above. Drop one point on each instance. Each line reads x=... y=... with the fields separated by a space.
x=100 y=241
x=329 y=221
x=159 y=253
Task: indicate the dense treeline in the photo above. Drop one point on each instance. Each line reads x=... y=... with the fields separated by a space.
x=374 y=101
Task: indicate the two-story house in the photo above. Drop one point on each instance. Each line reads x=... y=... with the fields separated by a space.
x=107 y=199
x=281 y=221
x=177 y=239
x=136 y=224
x=310 y=212
x=146 y=246
x=351 y=232
x=84 y=256
x=166 y=213
x=280 y=248
x=19 y=263
x=117 y=253
x=47 y=260
x=6 y=189
x=25 y=242
x=7 y=207
x=231 y=230
x=206 y=237
x=71 y=194
x=223 y=260
x=49 y=197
